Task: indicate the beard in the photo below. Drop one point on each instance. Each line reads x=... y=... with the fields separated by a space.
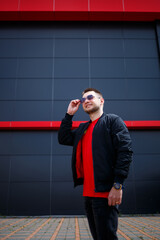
x=93 y=110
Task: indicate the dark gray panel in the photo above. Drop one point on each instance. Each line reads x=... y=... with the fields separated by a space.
x=27 y=30
x=146 y=142
x=158 y=44
x=60 y=109
x=30 y=168
x=106 y=48
x=33 y=111
x=147 y=167
x=8 y=68
x=34 y=89
x=147 y=196
x=131 y=173
x=72 y=30
x=7 y=30
x=71 y=48
x=35 y=68
x=3 y=198
x=158 y=35
x=5 y=142
x=6 y=110
x=35 y=48
x=111 y=88
x=73 y=199
x=61 y=168
x=121 y=108
x=7 y=89
x=4 y=168
x=58 y=149
x=71 y=68
x=142 y=68
x=105 y=30
x=140 y=48
x=36 y=197
x=34 y=30
x=143 y=88
x=125 y=88
x=134 y=110
x=8 y=48
x=31 y=143
x=73 y=88
x=158 y=28
x=139 y=30
x=145 y=110
x=105 y=68
x=128 y=201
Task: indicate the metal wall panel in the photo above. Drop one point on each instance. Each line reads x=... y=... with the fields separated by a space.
x=7 y=110
x=43 y=67
x=30 y=168
x=32 y=110
x=4 y=188
x=4 y=168
x=29 y=198
x=34 y=89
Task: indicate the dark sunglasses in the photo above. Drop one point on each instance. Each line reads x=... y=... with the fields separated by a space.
x=89 y=97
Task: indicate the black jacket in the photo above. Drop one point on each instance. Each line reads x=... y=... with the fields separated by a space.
x=111 y=146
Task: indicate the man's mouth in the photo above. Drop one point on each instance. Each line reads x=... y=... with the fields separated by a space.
x=88 y=105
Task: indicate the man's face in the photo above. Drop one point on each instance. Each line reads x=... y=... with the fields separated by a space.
x=92 y=105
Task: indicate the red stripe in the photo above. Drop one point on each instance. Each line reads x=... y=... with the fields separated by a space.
x=55 y=125
x=143 y=124
x=71 y=10
x=79 y=16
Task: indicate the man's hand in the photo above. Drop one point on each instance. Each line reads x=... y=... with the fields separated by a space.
x=73 y=106
x=114 y=197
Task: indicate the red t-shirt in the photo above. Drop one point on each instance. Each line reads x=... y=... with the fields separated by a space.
x=89 y=186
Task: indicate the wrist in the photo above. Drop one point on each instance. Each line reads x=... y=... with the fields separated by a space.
x=68 y=116
x=117 y=186
x=69 y=113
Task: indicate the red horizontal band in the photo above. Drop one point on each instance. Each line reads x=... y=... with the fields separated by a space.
x=55 y=125
x=86 y=10
x=79 y=16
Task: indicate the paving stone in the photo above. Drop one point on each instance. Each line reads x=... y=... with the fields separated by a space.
x=19 y=228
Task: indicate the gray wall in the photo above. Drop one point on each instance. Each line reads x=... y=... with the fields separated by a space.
x=43 y=67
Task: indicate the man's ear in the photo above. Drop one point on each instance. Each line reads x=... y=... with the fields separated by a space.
x=102 y=100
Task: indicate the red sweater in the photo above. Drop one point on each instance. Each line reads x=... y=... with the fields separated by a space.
x=88 y=172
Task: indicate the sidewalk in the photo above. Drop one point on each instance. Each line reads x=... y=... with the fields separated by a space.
x=50 y=228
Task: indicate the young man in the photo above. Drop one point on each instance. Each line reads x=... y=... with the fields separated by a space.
x=100 y=161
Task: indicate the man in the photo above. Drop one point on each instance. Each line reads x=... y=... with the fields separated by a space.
x=100 y=161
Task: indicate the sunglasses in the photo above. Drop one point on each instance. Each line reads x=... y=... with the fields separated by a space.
x=89 y=97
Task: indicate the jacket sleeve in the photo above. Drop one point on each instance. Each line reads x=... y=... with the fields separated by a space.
x=65 y=133
x=122 y=145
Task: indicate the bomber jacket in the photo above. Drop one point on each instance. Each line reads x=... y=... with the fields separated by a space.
x=111 y=149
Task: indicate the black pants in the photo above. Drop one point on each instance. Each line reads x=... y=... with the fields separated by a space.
x=102 y=219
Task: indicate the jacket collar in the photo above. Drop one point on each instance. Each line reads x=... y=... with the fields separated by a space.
x=99 y=118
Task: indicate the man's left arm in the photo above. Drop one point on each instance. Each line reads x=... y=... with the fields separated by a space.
x=122 y=145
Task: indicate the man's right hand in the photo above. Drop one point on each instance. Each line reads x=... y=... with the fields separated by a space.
x=73 y=106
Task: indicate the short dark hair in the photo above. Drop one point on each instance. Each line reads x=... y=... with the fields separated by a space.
x=92 y=89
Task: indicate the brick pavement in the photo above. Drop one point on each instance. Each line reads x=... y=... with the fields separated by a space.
x=50 y=228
